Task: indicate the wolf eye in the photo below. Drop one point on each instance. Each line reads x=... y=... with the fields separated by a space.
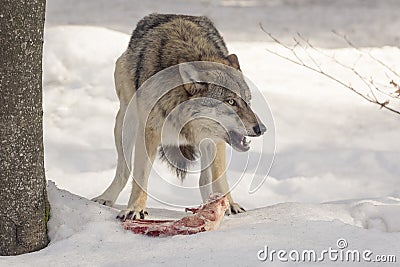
x=232 y=102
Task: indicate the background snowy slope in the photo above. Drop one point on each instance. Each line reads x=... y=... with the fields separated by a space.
x=370 y=22
x=331 y=146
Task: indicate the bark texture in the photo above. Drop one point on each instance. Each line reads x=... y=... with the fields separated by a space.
x=23 y=200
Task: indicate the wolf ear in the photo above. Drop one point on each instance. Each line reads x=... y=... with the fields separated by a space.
x=233 y=61
x=191 y=78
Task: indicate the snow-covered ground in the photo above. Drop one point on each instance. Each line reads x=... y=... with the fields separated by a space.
x=335 y=174
x=86 y=234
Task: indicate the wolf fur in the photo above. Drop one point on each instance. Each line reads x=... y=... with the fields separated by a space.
x=159 y=42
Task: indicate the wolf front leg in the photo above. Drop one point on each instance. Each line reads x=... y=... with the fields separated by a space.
x=219 y=181
x=207 y=151
x=110 y=195
x=145 y=152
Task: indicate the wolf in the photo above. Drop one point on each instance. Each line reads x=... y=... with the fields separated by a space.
x=158 y=43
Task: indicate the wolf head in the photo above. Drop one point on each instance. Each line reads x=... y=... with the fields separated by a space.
x=220 y=107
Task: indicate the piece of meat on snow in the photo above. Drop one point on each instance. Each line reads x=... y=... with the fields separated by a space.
x=205 y=218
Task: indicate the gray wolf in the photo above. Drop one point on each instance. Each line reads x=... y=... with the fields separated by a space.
x=159 y=42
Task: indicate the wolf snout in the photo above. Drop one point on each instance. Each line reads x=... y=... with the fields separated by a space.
x=259 y=129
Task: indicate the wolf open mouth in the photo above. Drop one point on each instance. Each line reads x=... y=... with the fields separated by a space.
x=238 y=141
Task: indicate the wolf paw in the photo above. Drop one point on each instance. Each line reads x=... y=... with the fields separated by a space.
x=234 y=209
x=102 y=201
x=132 y=214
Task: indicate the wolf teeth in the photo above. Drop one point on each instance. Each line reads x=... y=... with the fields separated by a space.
x=245 y=142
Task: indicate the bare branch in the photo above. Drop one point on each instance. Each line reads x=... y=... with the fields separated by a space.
x=396 y=86
x=349 y=43
x=304 y=44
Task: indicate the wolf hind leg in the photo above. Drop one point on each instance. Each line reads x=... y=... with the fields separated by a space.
x=124 y=150
x=124 y=134
x=146 y=145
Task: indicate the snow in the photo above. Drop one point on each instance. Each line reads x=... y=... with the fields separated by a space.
x=84 y=233
x=369 y=22
x=335 y=173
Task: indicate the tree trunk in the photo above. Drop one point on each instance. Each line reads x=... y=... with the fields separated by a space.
x=24 y=206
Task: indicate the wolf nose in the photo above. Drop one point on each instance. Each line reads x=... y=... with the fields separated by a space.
x=259 y=129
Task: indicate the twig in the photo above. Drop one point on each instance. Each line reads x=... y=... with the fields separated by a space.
x=395 y=86
x=299 y=61
x=349 y=43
